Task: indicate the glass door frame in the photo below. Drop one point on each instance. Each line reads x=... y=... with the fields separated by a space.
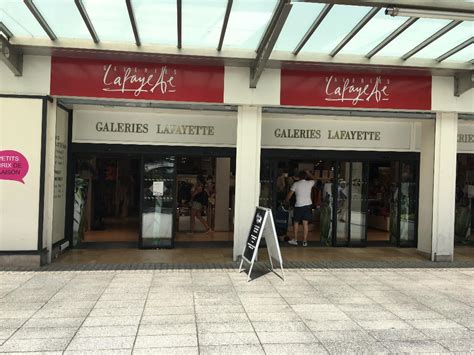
x=335 y=186
x=365 y=157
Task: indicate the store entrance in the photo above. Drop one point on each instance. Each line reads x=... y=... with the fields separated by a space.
x=106 y=200
x=362 y=201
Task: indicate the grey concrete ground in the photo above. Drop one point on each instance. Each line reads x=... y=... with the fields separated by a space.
x=218 y=312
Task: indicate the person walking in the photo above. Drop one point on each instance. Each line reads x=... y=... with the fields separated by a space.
x=303 y=206
x=199 y=200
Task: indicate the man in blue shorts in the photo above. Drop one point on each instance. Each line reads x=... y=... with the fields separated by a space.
x=303 y=207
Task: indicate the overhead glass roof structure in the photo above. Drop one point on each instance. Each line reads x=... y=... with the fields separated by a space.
x=266 y=28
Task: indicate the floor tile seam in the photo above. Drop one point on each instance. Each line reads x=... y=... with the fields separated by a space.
x=317 y=340
x=87 y=316
x=22 y=283
x=195 y=316
x=39 y=309
x=245 y=311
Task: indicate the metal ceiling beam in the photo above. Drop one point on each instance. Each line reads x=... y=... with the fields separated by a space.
x=440 y=5
x=85 y=48
x=4 y=29
x=87 y=20
x=33 y=9
x=313 y=28
x=271 y=24
x=355 y=30
x=224 y=23
x=271 y=35
x=133 y=22
x=463 y=82
x=12 y=56
x=179 y=12
x=392 y=36
x=456 y=49
x=431 y=39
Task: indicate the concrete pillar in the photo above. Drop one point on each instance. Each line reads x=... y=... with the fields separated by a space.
x=247 y=179
x=438 y=175
x=444 y=186
x=425 y=212
x=221 y=222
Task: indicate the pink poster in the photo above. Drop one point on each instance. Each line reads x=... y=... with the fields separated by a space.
x=13 y=165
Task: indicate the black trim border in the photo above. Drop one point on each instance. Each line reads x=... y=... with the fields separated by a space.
x=44 y=126
x=37 y=97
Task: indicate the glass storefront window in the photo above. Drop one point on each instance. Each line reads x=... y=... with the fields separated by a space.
x=408 y=199
x=158 y=202
x=463 y=219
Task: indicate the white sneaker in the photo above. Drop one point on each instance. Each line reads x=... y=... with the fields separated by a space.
x=292 y=242
x=305 y=244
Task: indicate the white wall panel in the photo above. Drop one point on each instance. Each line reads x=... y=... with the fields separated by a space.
x=20 y=122
x=34 y=81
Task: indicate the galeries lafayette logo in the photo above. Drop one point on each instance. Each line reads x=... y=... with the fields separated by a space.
x=384 y=91
x=357 y=90
x=124 y=80
x=138 y=81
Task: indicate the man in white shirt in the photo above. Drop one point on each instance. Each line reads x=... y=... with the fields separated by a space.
x=303 y=207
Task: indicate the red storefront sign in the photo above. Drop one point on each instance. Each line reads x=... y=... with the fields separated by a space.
x=146 y=81
x=379 y=91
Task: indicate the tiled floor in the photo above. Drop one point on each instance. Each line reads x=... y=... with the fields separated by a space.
x=216 y=311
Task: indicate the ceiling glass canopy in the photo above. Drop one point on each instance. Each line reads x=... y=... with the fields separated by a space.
x=337 y=24
x=63 y=17
x=337 y=30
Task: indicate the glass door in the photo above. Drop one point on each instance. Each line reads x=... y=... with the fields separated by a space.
x=158 y=202
x=358 y=204
x=408 y=204
x=350 y=204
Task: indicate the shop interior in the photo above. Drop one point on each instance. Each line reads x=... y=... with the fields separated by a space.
x=367 y=202
x=186 y=200
x=205 y=199
x=107 y=200
x=464 y=213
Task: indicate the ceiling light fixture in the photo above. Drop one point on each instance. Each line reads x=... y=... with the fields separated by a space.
x=446 y=15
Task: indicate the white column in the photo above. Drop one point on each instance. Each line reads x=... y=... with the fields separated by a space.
x=425 y=212
x=444 y=186
x=221 y=222
x=247 y=179
x=49 y=180
x=438 y=187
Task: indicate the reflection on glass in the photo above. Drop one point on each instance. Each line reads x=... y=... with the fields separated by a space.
x=412 y=36
x=202 y=22
x=110 y=19
x=335 y=26
x=342 y=202
x=450 y=40
x=247 y=22
x=358 y=203
x=157 y=21
x=374 y=32
x=394 y=231
x=266 y=199
x=64 y=18
x=158 y=196
x=301 y=17
x=463 y=218
x=407 y=203
x=18 y=19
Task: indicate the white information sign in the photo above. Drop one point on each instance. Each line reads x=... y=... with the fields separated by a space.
x=155 y=128
x=262 y=226
x=326 y=132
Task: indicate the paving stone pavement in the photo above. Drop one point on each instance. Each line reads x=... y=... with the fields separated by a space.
x=216 y=311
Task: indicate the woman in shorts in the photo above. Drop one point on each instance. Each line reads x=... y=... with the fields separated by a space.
x=199 y=200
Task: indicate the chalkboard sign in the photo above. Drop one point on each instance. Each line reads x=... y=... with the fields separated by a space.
x=262 y=225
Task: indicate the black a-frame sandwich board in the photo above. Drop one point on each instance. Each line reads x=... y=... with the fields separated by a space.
x=262 y=226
